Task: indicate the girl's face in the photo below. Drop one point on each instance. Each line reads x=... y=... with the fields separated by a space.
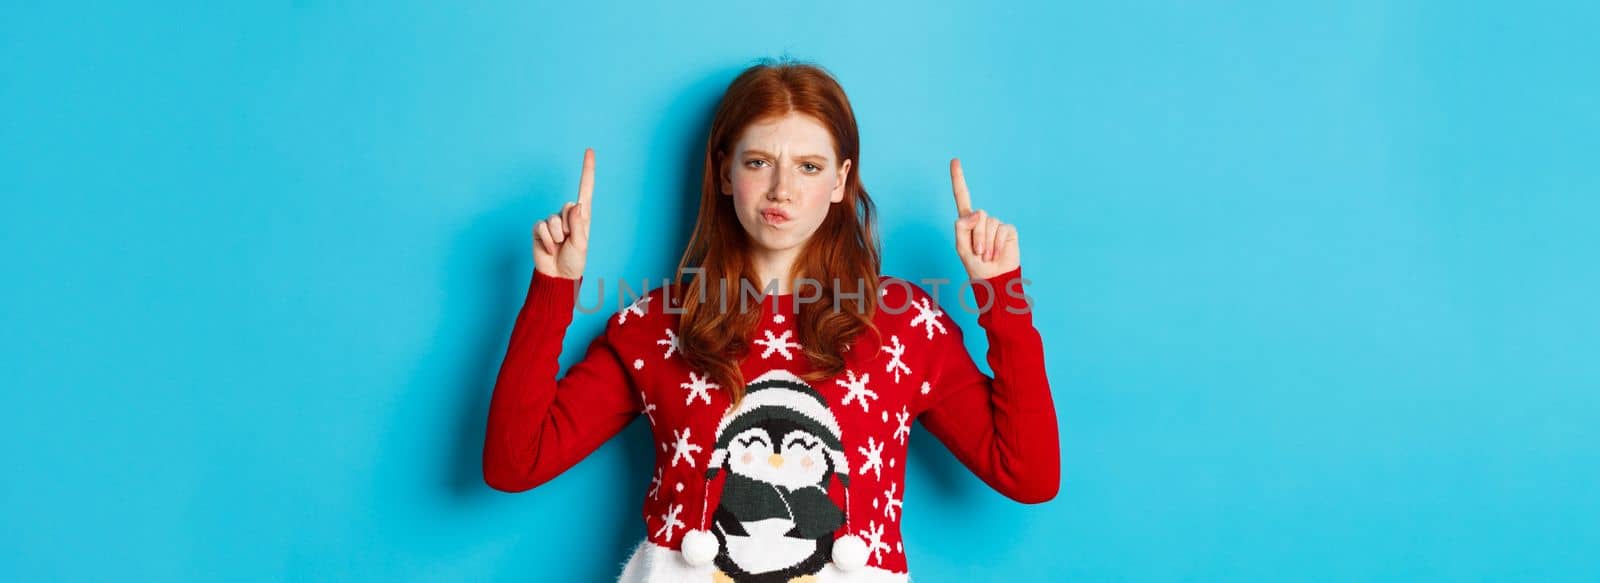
x=783 y=177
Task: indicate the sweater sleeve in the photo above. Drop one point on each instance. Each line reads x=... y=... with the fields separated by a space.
x=539 y=425
x=1002 y=428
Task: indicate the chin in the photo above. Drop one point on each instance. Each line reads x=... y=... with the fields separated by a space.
x=784 y=244
x=778 y=244
x=769 y=242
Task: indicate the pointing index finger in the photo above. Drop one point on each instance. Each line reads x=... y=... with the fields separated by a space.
x=958 y=182
x=586 y=183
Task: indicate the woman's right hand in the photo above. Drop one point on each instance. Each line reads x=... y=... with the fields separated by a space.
x=561 y=241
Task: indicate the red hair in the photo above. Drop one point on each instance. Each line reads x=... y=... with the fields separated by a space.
x=843 y=248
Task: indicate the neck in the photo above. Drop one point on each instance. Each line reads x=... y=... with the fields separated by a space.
x=775 y=266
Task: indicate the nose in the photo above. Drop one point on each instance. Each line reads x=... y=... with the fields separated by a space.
x=776 y=460
x=782 y=183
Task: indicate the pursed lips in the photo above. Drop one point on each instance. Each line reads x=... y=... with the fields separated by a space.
x=775 y=216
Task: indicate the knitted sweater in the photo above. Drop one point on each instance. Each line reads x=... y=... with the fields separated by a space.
x=799 y=463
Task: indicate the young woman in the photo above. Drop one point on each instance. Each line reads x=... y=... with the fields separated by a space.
x=781 y=380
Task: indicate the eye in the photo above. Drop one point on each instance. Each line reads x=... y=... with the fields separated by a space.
x=756 y=161
x=811 y=168
x=752 y=439
x=802 y=443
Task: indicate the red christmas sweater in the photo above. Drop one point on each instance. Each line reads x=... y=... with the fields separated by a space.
x=798 y=464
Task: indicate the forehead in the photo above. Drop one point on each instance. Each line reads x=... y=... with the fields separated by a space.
x=794 y=134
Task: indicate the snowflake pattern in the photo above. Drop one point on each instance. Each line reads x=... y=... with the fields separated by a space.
x=636 y=308
x=670 y=521
x=779 y=344
x=896 y=364
x=649 y=409
x=698 y=386
x=671 y=342
x=856 y=389
x=927 y=316
x=873 y=536
x=904 y=429
x=682 y=449
x=891 y=505
x=874 y=452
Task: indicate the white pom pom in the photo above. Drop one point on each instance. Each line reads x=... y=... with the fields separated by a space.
x=699 y=547
x=849 y=552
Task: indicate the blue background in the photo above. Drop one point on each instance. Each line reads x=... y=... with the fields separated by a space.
x=1316 y=283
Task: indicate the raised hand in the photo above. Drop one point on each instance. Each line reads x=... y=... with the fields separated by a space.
x=561 y=241
x=987 y=246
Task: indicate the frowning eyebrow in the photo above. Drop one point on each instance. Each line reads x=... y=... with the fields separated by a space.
x=766 y=154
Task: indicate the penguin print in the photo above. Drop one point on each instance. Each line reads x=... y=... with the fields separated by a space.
x=774 y=521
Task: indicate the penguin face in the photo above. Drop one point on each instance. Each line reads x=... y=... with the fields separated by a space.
x=780 y=453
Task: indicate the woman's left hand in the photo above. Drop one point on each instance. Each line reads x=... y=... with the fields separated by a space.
x=987 y=246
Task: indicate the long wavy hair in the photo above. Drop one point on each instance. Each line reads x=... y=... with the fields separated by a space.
x=843 y=255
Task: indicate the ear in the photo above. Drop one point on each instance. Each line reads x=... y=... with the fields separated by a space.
x=722 y=174
x=838 y=187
